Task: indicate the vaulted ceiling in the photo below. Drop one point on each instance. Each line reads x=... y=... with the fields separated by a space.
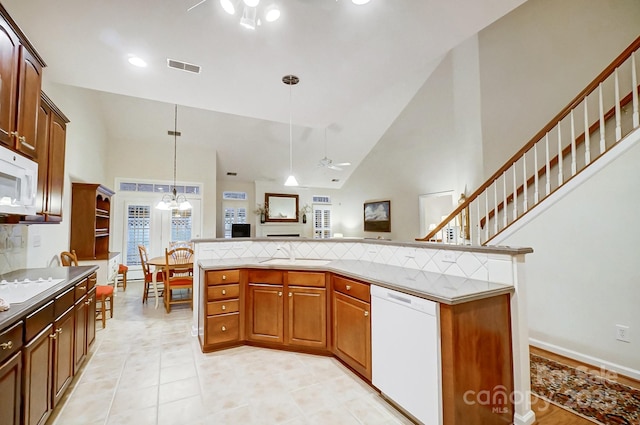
x=359 y=66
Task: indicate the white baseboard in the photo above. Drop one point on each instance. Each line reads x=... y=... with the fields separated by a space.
x=585 y=358
x=526 y=419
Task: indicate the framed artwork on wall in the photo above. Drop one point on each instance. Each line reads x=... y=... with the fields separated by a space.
x=377 y=216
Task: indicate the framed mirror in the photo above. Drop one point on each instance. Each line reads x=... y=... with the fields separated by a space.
x=281 y=208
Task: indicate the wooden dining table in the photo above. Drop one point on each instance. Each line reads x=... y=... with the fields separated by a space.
x=159 y=263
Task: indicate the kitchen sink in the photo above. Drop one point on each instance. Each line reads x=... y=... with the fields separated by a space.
x=296 y=262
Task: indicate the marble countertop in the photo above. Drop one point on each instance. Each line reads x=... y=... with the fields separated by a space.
x=71 y=276
x=432 y=286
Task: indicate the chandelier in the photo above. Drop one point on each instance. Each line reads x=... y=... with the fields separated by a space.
x=251 y=16
x=173 y=201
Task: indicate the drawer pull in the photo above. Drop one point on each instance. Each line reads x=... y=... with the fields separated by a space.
x=7 y=345
x=348 y=287
x=224 y=277
x=366 y=313
x=224 y=329
x=224 y=292
x=224 y=307
x=84 y=288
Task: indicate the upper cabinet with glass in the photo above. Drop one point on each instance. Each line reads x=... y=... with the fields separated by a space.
x=281 y=208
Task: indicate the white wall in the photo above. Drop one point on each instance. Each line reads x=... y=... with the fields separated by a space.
x=583 y=276
x=537 y=58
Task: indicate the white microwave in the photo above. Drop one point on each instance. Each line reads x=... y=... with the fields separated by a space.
x=18 y=183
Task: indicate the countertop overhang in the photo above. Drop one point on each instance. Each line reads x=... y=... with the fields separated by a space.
x=436 y=287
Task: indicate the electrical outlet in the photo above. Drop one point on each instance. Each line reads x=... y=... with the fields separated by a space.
x=622 y=333
x=448 y=256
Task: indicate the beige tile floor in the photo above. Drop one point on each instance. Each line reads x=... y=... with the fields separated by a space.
x=146 y=368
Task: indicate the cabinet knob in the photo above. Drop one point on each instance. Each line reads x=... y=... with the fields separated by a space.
x=224 y=292
x=279 y=294
x=348 y=287
x=290 y=294
x=224 y=307
x=366 y=313
x=224 y=277
x=7 y=345
x=224 y=329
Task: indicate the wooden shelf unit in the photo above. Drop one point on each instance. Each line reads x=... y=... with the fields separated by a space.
x=90 y=220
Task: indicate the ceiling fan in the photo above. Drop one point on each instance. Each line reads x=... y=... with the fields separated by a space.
x=326 y=162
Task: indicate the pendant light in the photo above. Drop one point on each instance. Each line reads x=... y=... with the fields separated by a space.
x=290 y=80
x=174 y=201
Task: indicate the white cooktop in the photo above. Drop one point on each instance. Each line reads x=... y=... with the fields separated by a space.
x=19 y=291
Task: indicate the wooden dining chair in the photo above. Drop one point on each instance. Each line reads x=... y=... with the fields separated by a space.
x=104 y=293
x=180 y=281
x=148 y=275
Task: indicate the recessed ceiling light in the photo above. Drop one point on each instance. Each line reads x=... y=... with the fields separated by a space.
x=228 y=6
x=136 y=61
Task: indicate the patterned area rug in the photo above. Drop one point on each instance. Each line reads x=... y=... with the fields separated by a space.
x=598 y=398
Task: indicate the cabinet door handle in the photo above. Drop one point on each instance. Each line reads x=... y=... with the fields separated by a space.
x=348 y=287
x=224 y=329
x=224 y=307
x=224 y=277
x=14 y=134
x=224 y=292
x=290 y=294
x=22 y=139
x=53 y=336
x=279 y=294
x=366 y=313
x=59 y=330
x=7 y=345
x=87 y=302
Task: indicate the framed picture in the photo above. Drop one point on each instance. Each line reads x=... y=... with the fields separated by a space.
x=377 y=216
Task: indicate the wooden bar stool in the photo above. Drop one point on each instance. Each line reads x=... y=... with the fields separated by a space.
x=104 y=295
x=122 y=270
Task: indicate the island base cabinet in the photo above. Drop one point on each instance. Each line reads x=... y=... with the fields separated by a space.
x=307 y=317
x=223 y=328
x=352 y=333
x=10 y=389
x=266 y=314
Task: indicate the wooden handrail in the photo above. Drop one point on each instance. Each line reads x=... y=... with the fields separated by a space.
x=538 y=136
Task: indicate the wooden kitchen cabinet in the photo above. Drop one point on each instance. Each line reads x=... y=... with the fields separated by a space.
x=11 y=374
x=21 y=76
x=265 y=312
x=351 y=304
x=52 y=130
x=85 y=320
x=62 y=355
x=90 y=220
x=307 y=309
x=222 y=304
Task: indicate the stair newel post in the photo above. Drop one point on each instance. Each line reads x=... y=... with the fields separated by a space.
x=525 y=201
x=547 y=187
x=634 y=84
x=560 y=177
x=505 y=217
x=573 y=145
x=535 y=175
x=515 y=194
x=495 y=207
x=587 y=141
x=601 y=106
x=618 y=117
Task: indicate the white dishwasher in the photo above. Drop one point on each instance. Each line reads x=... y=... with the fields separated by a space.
x=405 y=352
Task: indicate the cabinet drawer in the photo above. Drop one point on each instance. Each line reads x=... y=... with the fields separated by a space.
x=82 y=288
x=64 y=302
x=38 y=320
x=220 y=307
x=265 y=276
x=11 y=340
x=223 y=328
x=306 y=279
x=219 y=277
x=352 y=288
x=223 y=292
x=92 y=281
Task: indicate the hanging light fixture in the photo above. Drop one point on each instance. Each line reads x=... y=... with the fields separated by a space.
x=290 y=80
x=250 y=17
x=173 y=201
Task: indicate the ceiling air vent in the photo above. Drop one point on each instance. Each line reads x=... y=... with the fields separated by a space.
x=184 y=66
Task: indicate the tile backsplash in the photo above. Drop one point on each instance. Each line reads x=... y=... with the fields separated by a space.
x=13 y=247
x=472 y=265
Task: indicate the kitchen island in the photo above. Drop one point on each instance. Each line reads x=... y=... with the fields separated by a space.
x=314 y=296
